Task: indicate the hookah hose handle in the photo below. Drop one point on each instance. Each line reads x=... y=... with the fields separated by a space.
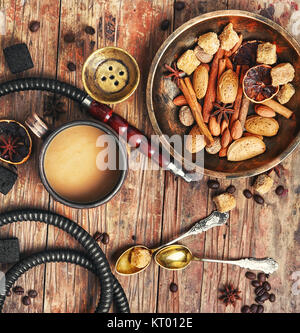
x=130 y=134
x=99 y=111
x=134 y=137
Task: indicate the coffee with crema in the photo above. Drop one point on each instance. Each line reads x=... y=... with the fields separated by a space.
x=72 y=166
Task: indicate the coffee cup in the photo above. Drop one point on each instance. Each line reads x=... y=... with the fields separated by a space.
x=82 y=163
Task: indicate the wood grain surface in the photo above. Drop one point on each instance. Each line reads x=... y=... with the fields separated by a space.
x=152 y=206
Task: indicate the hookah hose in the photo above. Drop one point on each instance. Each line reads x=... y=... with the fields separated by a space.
x=95 y=260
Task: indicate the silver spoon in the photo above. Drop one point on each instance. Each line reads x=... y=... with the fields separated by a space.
x=124 y=265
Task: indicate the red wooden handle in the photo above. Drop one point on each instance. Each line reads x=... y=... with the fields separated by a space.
x=130 y=134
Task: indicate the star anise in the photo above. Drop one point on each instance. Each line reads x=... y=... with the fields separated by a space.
x=175 y=73
x=222 y=111
x=229 y=295
x=9 y=146
x=53 y=106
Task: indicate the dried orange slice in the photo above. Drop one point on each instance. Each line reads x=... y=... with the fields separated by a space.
x=15 y=142
x=257 y=84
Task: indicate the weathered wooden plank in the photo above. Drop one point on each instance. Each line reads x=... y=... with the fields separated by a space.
x=136 y=210
x=274 y=227
x=28 y=191
x=184 y=205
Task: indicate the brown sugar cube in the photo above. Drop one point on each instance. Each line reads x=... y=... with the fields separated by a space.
x=282 y=74
x=228 y=37
x=209 y=42
x=140 y=257
x=188 y=62
x=224 y=202
x=266 y=53
x=285 y=93
x=263 y=184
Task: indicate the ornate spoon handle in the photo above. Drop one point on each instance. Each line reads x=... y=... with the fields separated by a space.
x=215 y=219
x=266 y=265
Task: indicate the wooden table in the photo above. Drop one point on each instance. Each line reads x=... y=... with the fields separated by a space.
x=152 y=206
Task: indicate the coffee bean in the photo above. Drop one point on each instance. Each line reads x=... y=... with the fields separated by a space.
x=92 y=44
x=266 y=285
x=89 y=30
x=179 y=5
x=259 y=291
x=34 y=26
x=261 y=277
x=245 y=309
x=32 y=293
x=69 y=37
x=259 y=199
x=71 y=66
x=26 y=300
x=250 y=275
x=230 y=189
x=98 y=236
x=213 y=184
x=253 y=308
x=173 y=287
x=255 y=283
x=165 y=25
x=279 y=190
x=257 y=300
x=272 y=298
x=105 y=238
x=247 y=194
x=260 y=309
x=265 y=296
x=18 y=290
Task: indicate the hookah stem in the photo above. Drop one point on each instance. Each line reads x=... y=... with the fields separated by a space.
x=134 y=137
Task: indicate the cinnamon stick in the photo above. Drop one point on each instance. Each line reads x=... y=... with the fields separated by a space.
x=222 y=66
x=238 y=100
x=211 y=94
x=228 y=63
x=244 y=110
x=277 y=107
x=188 y=91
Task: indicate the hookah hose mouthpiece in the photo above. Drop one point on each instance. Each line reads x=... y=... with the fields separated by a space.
x=94 y=259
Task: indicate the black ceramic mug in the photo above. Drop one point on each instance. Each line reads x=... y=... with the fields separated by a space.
x=72 y=161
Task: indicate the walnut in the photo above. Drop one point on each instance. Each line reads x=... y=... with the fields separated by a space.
x=209 y=42
x=228 y=37
x=140 y=257
x=282 y=74
x=202 y=56
x=188 y=62
x=263 y=184
x=185 y=116
x=285 y=93
x=224 y=202
x=266 y=53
